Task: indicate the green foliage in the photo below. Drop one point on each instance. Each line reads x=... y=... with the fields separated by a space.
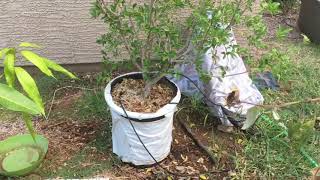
x=286 y=5
x=10 y=97
x=56 y=67
x=37 y=61
x=93 y=105
x=271 y=7
x=13 y=100
x=30 y=45
x=282 y=32
x=265 y=154
x=275 y=61
x=259 y=29
x=150 y=35
x=28 y=121
x=29 y=86
x=9 y=67
x=301 y=133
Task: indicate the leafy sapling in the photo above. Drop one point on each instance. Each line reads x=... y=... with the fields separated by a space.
x=152 y=37
x=10 y=98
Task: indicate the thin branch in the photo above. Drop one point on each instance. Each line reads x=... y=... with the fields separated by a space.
x=149 y=41
x=272 y=106
x=59 y=89
x=198 y=142
x=234 y=15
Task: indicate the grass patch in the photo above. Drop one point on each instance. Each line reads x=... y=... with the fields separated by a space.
x=93 y=105
x=269 y=154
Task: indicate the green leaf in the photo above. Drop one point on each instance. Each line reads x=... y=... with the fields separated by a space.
x=282 y=32
x=251 y=117
x=29 y=86
x=12 y=99
x=37 y=61
x=32 y=45
x=9 y=67
x=56 y=67
x=3 y=52
x=28 y=121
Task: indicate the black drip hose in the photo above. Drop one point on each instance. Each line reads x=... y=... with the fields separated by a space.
x=156 y=162
x=230 y=118
x=234 y=122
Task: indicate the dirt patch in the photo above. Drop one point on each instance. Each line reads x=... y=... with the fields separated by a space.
x=66 y=137
x=288 y=20
x=130 y=92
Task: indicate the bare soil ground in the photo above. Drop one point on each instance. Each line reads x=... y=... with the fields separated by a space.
x=68 y=136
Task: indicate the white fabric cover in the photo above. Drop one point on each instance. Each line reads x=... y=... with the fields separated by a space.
x=220 y=87
x=157 y=135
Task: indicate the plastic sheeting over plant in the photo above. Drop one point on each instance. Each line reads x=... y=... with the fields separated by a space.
x=230 y=87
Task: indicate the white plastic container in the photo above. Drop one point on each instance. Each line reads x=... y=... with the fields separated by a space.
x=156 y=135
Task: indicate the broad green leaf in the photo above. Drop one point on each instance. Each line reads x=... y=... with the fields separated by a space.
x=37 y=61
x=56 y=67
x=12 y=99
x=251 y=117
x=9 y=67
x=28 y=121
x=3 y=52
x=32 y=45
x=29 y=86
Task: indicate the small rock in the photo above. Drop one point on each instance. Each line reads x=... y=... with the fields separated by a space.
x=226 y=129
x=181 y=169
x=200 y=160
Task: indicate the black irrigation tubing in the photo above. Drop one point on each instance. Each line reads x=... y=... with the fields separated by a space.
x=156 y=162
x=235 y=123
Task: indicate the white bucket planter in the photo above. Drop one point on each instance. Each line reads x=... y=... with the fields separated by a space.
x=154 y=129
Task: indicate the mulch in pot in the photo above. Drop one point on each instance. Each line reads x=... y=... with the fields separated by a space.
x=131 y=93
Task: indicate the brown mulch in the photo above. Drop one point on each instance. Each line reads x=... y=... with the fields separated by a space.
x=66 y=138
x=130 y=92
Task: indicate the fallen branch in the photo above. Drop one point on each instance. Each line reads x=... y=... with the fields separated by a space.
x=273 y=106
x=198 y=143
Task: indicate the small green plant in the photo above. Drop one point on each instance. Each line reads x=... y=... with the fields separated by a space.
x=10 y=97
x=286 y=5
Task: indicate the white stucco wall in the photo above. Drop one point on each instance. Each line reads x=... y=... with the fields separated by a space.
x=63 y=27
